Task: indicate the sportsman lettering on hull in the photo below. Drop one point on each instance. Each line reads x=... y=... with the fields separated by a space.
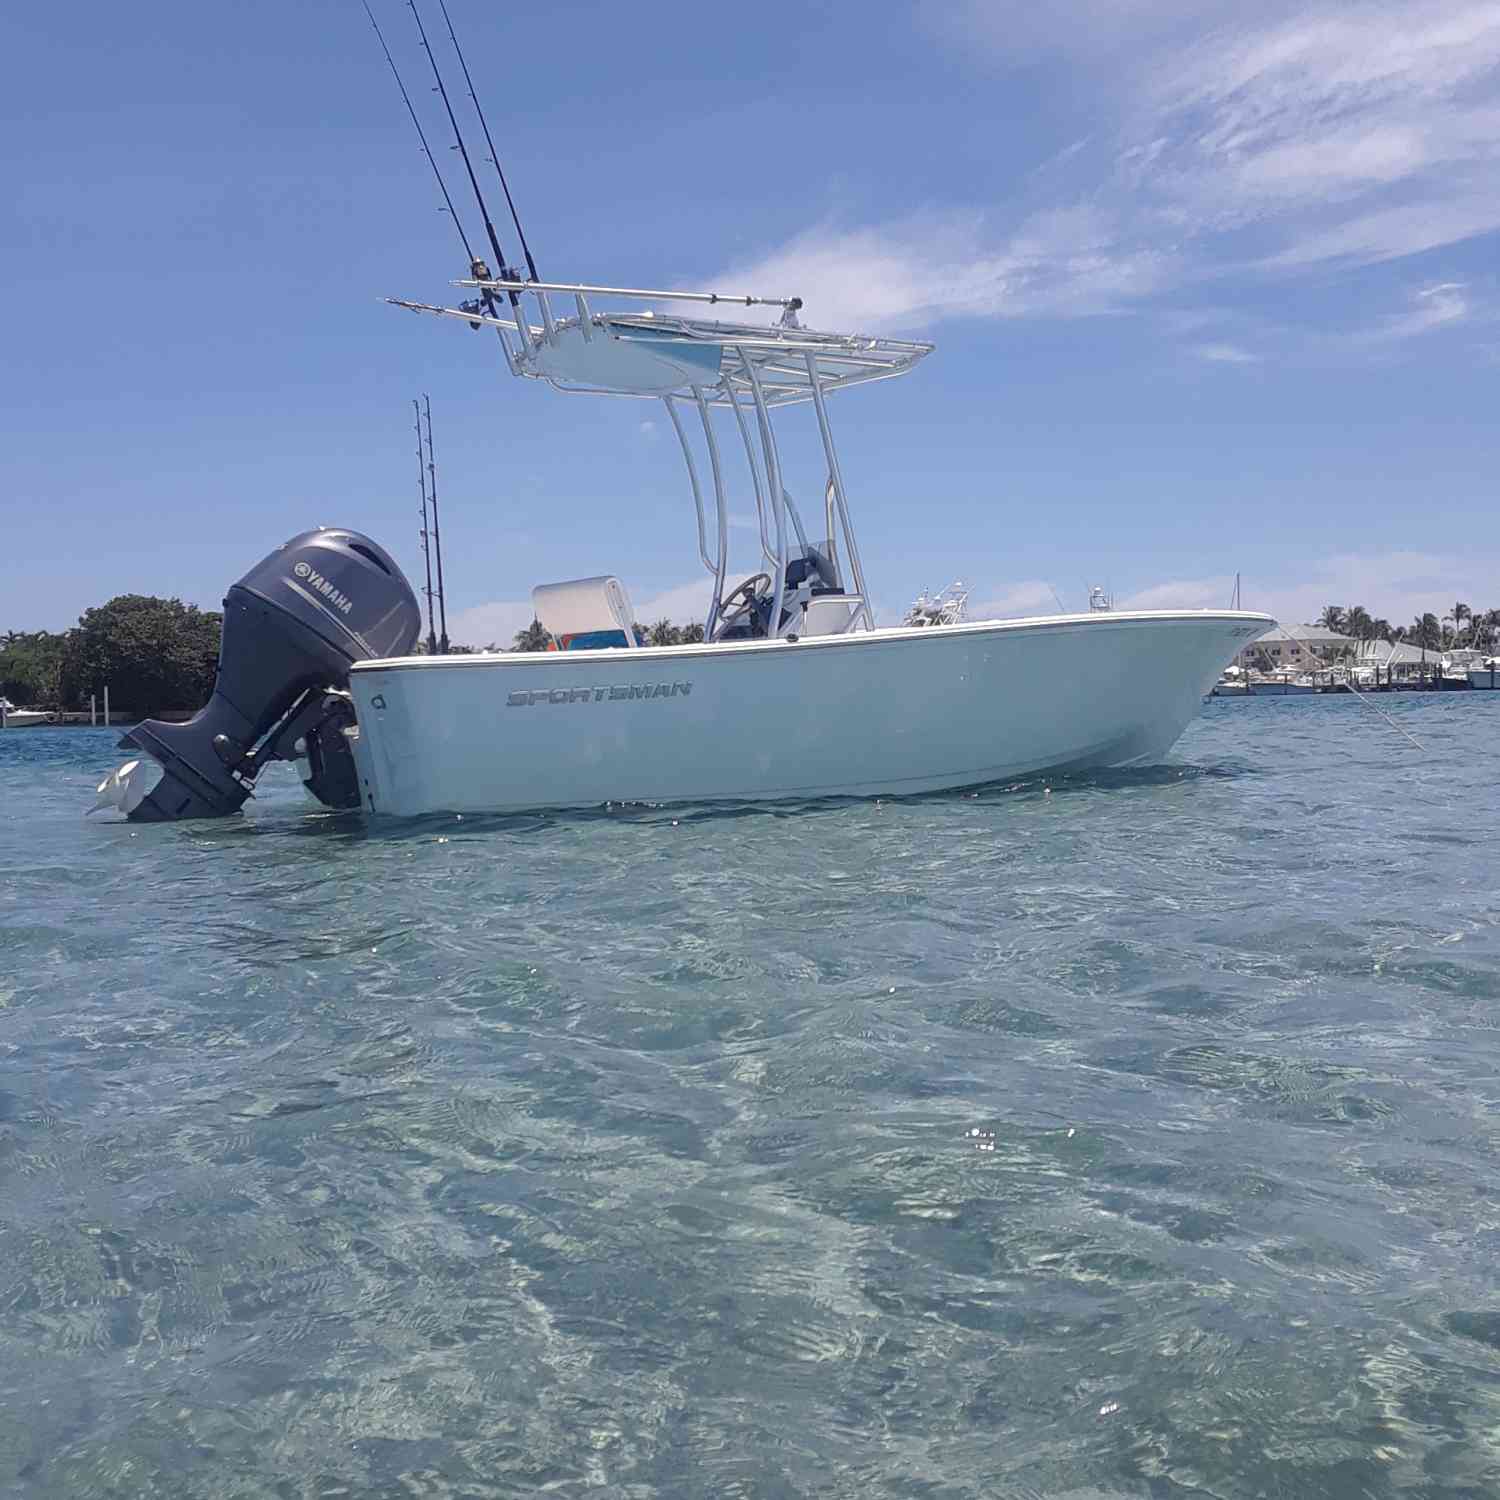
x=527 y=697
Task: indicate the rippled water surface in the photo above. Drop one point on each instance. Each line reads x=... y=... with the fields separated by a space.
x=1136 y=1136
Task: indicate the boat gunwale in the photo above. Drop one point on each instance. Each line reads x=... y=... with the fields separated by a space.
x=699 y=650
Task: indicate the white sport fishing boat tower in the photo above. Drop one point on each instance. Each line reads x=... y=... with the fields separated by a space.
x=795 y=691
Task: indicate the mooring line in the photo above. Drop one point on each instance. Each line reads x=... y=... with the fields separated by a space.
x=1383 y=714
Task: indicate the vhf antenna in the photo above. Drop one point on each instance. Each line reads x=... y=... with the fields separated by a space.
x=432 y=649
x=437 y=533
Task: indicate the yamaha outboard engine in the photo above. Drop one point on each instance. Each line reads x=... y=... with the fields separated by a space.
x=293 y=625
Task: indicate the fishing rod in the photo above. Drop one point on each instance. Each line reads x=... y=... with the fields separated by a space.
x=477 y=267
x=463 y=150
x=437 y=533
x=421 y=134
x=426 y=543
x=515 y=218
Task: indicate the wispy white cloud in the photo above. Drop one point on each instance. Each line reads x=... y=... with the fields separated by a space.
x=1065 y=261
x=1238 y=141
x=1394 y=585
x=1032 y=596
x=682 y=605
x=1430 y=221
x=1431 y=307
x=1213 y=592
x=1225 y=354
x=1325 y=127
x=495 y=623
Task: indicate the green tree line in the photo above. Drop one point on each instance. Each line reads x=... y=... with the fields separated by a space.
x=153 y=654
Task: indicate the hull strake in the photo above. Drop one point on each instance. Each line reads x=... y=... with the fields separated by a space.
x=898 y=711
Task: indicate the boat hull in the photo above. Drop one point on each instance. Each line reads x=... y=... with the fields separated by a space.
x=26 y=718
x=884 y=712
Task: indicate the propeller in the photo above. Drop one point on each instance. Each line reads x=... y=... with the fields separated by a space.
x=124 y=788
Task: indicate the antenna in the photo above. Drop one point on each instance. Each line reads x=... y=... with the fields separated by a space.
x=437 y=534
x=426 y=548
x=515 y=218
x=421 y=134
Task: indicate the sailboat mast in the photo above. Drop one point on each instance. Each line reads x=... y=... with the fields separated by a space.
x=426 y=542
x=437 y=533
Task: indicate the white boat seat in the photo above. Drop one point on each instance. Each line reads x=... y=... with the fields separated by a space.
x=585 y=614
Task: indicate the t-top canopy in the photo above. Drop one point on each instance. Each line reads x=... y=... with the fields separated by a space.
x=653 y=354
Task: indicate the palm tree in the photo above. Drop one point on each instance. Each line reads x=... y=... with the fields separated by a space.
x=1425 y=631
x=1332 y=617
x=663 y=633
x=1357 y=622
x=691 y=634
x=1460 y=613
x=533 y=638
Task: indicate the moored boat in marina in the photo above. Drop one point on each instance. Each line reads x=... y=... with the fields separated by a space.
x=1236 y=683
x=12 y=717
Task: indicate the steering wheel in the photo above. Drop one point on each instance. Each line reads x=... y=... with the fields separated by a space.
x=747 y=593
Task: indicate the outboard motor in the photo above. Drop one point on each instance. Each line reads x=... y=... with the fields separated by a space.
x=293 y=625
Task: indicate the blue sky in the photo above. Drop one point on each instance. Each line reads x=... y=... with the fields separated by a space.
x=1214 y=289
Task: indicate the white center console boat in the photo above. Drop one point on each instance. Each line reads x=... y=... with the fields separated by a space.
x=794 y=692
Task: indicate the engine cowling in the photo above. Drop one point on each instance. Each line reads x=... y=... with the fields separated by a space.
x=293 y=626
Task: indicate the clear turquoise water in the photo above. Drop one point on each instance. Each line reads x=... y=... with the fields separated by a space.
x=633 y=1153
